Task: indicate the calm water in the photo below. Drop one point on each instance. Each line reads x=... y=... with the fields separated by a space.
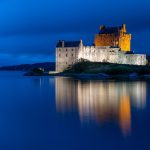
x=46 y=113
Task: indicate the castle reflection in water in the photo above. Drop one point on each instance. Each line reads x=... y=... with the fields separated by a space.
x=101 y=101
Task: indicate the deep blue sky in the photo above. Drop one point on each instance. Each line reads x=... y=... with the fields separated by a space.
x=29 y=29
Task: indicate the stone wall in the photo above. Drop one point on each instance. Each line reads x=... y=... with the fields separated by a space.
x=125 y=42
x=133 y=59
x=99 y=54
x=111 y=55
x=122 y=41
x=68 y=56
x=65 y=56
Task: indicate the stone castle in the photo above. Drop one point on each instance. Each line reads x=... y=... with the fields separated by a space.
x=111 y=44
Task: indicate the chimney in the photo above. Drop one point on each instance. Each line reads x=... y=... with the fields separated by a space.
x=63 y=43
x=102 y=27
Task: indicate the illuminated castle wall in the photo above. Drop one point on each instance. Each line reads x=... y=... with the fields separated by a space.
x=112 y=48
x=113 y=36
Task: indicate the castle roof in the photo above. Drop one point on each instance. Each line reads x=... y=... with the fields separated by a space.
x=110 y=30
x=68 y=44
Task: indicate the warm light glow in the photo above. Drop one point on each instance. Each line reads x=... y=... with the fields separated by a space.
x=125 y=114
x=120 y=39
x=101 y=101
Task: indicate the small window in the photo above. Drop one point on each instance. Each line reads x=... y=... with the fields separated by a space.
x=66 y=63
x=72 y=55
x=66 y=50
x=59 y=49
x=72 y=49
x=66 y=55
x=59 y=55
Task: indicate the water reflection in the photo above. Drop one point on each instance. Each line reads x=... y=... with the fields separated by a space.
x=101 y=101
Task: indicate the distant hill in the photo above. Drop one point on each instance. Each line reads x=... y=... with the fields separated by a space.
x=47 y=66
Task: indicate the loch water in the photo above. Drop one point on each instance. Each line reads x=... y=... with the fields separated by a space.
x=58 y=113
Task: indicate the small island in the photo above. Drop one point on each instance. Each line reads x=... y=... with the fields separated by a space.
x=96 y=70
x=109 y=57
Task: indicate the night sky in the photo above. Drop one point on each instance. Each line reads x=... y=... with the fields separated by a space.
x=30 y=29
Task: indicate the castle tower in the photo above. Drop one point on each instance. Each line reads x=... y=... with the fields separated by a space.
x=114 y=36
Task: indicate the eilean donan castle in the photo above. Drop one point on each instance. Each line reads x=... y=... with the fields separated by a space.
x=111 y=44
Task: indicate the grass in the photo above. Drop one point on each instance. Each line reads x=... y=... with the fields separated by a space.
x=107 y=68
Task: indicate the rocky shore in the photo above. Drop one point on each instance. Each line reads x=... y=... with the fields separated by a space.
x=104 y=71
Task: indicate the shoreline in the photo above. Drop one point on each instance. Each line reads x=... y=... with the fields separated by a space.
x=100 y=76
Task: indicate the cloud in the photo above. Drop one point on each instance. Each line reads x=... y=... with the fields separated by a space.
x=53 y=17
x=32 y=27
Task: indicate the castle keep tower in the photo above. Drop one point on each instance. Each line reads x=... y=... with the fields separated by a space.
x=114 y=36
